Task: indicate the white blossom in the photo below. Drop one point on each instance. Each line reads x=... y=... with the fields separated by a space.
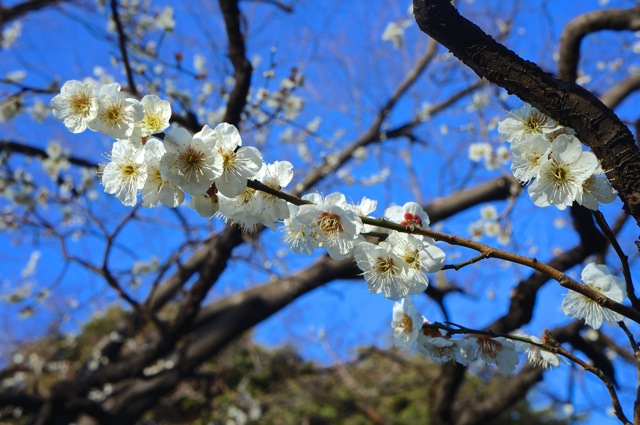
x=165 y=21
x=526 y=157
x=441 y=348
x=406 y=323
x=536 y=356
x=298 y=236
x=499 y=351
x=191 y=162
x=562 y=173
x=421 y=255
x=117 y=113
x=156 y=189
x=76 y=105
x=126 y=173
x=409 y=215
x=525 y=122
x=337 y=226
x=599 y=278
x=394 y=32
x=205 y=205
x=385 y=272
x=238 y=165
x=277 y=176
x=157 y=113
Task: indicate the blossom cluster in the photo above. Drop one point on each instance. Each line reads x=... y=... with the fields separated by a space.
x=551 y=156
x=213 y=168
x=412 y=331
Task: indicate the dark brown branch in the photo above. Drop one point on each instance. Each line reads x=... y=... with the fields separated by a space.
x=614 y=96
x=580 y=27
x=595 y=124
x=8 y=14
x=241 y=65
x=122 y=45
x=10 y=146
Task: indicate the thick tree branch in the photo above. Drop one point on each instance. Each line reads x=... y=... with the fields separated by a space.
x=8 y=14
x=580 y=27
x=241 y=65
x=595 y=124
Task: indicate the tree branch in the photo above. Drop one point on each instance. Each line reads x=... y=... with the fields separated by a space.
x=595 y=124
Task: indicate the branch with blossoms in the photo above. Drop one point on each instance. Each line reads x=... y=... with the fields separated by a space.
x=435 y=340
x=226 y=179
x=594 y=123
x=213 y=168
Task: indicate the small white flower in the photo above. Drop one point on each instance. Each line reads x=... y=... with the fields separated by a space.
x=524 y=122
x=243 y=210
x=421 y=256
x=117 y=113
x=336 y=225
x=76 y=105
x=537 y=356
x=165 y=20
x=126 y=173
x=406 y=324
x=442 y=349
x=499 y=351
x=191 y=162
x=409 y=215
x=489 y=212
x=156 y=189
x=385 y=272
x=394 y=32
x=298 y=237
x=238 y=165
x=562 y=173
x=277 y=176
x=480 y=151
x=157 y=113
x=364 y=209
x=599 y=278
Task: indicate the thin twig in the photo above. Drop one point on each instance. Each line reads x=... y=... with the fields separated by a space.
x=624 y=260
x=122 y=43
x=458 y=266
x=615 y=401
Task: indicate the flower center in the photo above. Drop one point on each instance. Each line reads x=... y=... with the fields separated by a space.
x=247 y=196
x=113 y=115
x=386 y=266
x=193 y=162
x=152 y=123
x=405 y=324
x=128 y=170
x=80 y=105
x=561 y=177
x=229 y=160
x=412 y=257
x=330 y=223
x=532 y=124
x=489 y=348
